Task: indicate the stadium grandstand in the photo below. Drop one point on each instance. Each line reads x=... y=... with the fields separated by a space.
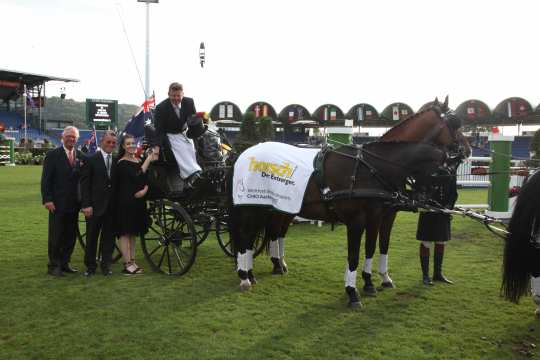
x=22 y=97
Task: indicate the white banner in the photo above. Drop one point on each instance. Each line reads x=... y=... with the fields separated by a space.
x=274 y=174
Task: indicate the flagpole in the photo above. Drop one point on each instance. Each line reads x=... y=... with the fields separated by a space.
x=25 y=131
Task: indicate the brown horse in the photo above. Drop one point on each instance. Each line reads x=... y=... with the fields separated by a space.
x=380 y=227
x=352 y=202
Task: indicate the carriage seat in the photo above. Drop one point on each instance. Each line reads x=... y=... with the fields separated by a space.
x=164 y=181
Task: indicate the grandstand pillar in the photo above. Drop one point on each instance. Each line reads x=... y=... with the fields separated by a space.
x=340 y=135
x=501 y=153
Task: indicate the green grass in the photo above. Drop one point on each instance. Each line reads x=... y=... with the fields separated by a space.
x=301 y=315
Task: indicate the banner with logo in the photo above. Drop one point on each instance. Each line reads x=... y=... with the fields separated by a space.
x=274 y=174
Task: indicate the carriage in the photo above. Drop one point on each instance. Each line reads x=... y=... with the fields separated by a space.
x=182 y=218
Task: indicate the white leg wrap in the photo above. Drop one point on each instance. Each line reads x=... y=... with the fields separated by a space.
x=535 y=286
x=427 y=244
x=249 y=259
x=386 y=278
x=241 y=261
x=281 y=247
x=367 y=265
x=245 y=284
x=383 y=263
x=350 y=277
x=274 y=249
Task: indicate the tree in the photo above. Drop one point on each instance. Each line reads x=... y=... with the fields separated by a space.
x=266 y=129
x=534 y=149
x=249 y=133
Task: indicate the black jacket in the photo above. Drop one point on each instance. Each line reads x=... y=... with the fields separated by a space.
x=97 y=189
x=60 y=181
x=166 y=121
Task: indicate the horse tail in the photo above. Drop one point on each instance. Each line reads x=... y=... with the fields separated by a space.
x=518 y=257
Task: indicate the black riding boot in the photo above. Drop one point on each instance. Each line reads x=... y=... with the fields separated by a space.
x=437 y=265
x=424 y=263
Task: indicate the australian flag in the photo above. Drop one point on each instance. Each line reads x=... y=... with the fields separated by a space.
x=92 y=142
x=135 y=126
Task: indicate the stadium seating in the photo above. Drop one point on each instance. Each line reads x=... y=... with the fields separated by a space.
x=11 y=120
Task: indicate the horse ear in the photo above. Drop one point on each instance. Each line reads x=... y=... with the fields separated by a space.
x=436 y=101
x=445 y=104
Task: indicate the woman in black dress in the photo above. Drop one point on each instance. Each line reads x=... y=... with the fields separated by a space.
x=435 y=227
x=131 y=217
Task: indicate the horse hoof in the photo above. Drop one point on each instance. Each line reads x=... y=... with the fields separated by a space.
x=388 y=285
x=251 y=278
x=245 y=285
x=278 y=271
x=355 y=305
x=369 y=290
x=537 y=313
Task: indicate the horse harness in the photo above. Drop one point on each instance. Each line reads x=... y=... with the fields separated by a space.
x=390 y=193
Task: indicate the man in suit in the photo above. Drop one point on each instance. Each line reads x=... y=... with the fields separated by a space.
x=97 y=190
x=59 y=192
x=171 y=117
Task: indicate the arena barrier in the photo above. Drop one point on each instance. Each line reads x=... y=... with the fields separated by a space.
x=495 y=173
x=7 y=152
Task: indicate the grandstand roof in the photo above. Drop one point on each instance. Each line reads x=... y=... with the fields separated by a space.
x=30 y=79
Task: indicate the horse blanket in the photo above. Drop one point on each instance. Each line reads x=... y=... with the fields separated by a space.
x=273 y=174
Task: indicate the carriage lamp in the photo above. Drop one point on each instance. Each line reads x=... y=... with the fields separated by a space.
x=202 y=54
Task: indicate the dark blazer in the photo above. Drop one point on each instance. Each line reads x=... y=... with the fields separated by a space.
x=166 y=121
x=97 y=189
x=60 y=181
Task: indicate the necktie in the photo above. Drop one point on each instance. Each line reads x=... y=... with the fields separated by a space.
x=177 y=111
x=70 y=158
x=109 y=165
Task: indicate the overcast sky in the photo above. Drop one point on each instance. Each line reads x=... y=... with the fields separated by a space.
x=308 y=52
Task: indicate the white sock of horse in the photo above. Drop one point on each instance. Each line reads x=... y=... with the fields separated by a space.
x=281 y=241
x=249 y=259
x=350 y=277
x=242 y=268
x=383 y=268
x=535 y=289
x=367 y=265
x=274 y=249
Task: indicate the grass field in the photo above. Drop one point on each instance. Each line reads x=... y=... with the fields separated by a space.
x=302 y=315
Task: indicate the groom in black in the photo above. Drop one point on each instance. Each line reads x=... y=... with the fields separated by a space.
x=97 y=190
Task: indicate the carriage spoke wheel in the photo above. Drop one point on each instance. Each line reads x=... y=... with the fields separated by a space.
x=224 y=239
x=170 y=246
x=81 y=236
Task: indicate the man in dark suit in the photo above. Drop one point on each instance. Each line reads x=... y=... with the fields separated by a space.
x=97 y=190
x=59 y=192
x=171 y=116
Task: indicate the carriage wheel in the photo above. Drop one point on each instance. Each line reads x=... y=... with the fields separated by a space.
x=224 y=239
x=81 y=236
x=203 y=226
x=170 y=246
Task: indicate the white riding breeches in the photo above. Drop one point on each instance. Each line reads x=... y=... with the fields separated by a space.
x=184 y=153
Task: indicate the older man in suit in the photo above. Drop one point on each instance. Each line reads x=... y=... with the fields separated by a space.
x=171 y=117
x=97 y=190
x=59 y=192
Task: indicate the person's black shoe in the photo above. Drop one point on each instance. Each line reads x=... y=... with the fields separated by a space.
x=441 y=278
x=68 y=269
x=106 y=272
x=89 y=273
x=56 y=271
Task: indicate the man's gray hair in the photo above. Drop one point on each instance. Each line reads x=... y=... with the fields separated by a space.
x=70 y=128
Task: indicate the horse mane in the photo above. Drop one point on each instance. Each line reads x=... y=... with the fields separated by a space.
x=408 y=119
x=519 y=256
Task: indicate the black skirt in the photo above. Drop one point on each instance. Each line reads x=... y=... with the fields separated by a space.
x=433 y=227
